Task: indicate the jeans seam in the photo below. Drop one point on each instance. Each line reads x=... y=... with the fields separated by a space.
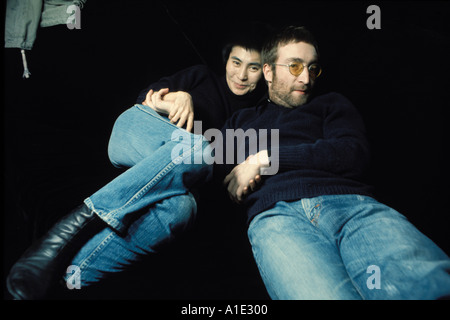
x=264 y=276
x=97 y=249
x=261 y=270
x=159 y=118
x=316 y=216
x=156 y=179
x=313 y=218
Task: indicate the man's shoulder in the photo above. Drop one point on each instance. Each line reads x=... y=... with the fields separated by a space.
x=242 y=116
x=331 y=98
x=332 y=101
x=258 y=108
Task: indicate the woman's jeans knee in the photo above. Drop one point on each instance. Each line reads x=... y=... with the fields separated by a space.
x=150 y=203
x=162 y=160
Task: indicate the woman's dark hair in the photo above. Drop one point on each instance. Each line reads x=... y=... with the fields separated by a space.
x=251 y=37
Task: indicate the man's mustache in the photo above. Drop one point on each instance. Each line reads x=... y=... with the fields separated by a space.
x=302 y=88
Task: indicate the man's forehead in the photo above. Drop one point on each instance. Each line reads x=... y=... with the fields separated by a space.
x=297 y=51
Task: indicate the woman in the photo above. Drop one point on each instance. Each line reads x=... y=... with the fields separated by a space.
x=110 y=230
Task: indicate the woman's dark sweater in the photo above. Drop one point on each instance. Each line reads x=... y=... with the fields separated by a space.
x=213 y=100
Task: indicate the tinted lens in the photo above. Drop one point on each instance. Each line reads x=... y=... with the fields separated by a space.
x=296 y=68
x=315 y=70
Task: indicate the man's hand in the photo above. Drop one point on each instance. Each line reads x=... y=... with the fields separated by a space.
x=177 y=105
x=245 y=177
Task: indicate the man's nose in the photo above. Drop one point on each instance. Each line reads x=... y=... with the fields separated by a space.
x=304 y=76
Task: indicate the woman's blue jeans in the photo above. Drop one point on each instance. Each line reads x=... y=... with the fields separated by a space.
x=149 y=204
x=345 y=247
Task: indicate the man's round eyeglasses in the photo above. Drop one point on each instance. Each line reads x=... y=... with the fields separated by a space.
x=296 y=69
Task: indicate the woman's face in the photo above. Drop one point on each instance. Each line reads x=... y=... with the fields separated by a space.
x=243 y=70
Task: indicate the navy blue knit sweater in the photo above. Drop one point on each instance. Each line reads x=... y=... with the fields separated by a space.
x=322 y=150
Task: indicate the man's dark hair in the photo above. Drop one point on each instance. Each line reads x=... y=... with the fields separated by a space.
x=285 y=36
x=250 y=37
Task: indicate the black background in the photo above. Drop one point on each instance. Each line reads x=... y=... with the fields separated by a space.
x=57 y=123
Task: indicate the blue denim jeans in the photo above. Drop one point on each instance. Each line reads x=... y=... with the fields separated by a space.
x=345 y=247
x=149 y=204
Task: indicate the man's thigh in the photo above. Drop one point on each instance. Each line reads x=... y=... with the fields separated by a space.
x=296 y=260
x=387 y=257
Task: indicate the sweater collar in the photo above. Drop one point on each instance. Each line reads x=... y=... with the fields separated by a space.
x=260 y=90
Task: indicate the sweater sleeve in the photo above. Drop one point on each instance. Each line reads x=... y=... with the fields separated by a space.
x=184 y=80
x=342 y=150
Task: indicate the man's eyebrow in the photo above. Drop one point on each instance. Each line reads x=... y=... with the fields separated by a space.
x=236 y=58
x=294 y=60
x=301 y=60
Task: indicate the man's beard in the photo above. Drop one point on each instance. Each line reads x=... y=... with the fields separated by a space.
x=283 y=95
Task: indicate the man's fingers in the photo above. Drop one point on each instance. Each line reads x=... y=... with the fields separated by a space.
x=238 y=190
x=240 y=193
x=232 y=190
x=254 y=183
x=228 y=178
x=251 y=185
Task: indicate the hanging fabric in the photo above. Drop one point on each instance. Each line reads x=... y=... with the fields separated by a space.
x=23 y=17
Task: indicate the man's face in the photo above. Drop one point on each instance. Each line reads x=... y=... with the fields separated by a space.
x=243 y=70
x=286 y=89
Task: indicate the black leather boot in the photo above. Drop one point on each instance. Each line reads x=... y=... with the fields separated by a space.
x=43 y=264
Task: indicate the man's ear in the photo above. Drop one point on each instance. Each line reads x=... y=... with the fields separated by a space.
x=268 y=73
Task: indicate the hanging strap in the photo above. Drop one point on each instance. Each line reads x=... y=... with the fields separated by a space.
x=26 y=72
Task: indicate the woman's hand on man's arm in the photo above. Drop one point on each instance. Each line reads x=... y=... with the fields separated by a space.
x=177 y=105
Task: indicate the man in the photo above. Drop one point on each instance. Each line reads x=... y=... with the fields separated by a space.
x=151 y=203
x=315 y=230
